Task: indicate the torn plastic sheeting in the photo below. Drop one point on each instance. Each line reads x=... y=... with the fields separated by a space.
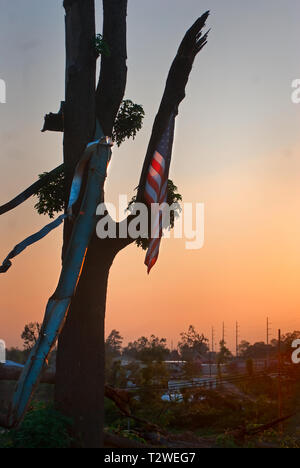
x=58 y=304
x=74 y=195
x=19 y=248
x=27 y=193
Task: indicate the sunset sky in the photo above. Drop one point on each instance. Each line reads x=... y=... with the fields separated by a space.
x=236 y=149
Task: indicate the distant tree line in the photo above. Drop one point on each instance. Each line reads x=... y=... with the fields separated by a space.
x=192 y=347
x=261 y=350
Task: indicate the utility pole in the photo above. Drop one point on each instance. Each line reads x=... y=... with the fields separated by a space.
x=268 y=331
x=268 y=341
x=279 y=380
x=212 y=350
x=223 y=332
x=237 y=339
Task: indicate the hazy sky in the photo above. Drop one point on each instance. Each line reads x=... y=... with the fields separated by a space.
x=236 y=150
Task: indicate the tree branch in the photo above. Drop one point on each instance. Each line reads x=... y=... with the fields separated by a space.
x=174 y=93
x=80 y=83
x=54 y=122
x=79 y=108
x=113 y=73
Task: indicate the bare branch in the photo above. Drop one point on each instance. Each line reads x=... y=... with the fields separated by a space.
x=54 y=122
x=79 y=108
x=174 y=93
x=113 y=74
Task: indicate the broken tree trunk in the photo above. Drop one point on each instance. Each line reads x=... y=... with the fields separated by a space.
x=79 y=124
x=79 y=390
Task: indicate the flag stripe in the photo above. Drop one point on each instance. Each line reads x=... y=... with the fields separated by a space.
x=157 y=167
x=151 y=193
x=154 y=184
x=159 y=158
x=153 y=174
x=156 y=189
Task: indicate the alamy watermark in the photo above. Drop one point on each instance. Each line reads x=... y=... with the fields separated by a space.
x=2 y=352
x=296 y=353
x=2 y=92
x=295 y=96
x=188 y=221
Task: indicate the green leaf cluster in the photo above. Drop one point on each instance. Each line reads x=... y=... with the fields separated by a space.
x=128 y=122
x=101 y=46
x=173 y=198
x=51 y=195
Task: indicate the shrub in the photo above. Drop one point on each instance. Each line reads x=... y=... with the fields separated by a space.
x=43 y=427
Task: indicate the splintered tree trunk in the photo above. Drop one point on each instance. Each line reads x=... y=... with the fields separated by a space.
x=73 y=389
x=80 y=375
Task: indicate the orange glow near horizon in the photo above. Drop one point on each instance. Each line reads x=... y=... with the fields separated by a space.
x=248 y=269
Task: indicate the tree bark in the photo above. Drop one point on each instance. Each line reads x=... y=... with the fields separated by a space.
x=79 y=108
x=113 y=73
x=77 y=374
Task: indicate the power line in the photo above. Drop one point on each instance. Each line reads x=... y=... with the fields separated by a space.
x=212 y=347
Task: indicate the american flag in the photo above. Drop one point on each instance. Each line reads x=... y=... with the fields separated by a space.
x=156 y=188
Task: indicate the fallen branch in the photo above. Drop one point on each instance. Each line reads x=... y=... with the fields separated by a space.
x=268 y=426
x=241 y=434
